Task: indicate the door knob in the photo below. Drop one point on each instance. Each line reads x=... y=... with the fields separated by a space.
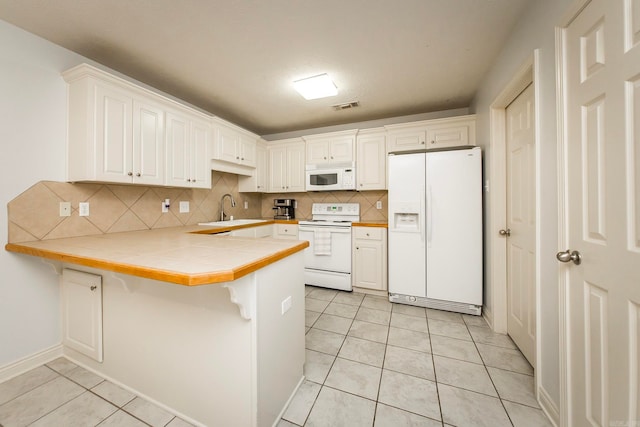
x=568 y=255
x=504 y=232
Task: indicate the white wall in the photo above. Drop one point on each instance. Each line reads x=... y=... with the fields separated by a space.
x=32 y=148
x=535 y=30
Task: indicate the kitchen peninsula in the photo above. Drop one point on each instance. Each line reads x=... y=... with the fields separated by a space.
x=208 y=326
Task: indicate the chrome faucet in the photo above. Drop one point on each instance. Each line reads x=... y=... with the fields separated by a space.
x=233 y=205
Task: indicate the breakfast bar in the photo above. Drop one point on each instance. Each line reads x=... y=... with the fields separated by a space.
x=208 y=326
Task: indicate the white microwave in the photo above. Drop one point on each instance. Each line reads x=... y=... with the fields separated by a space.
x=331 y=177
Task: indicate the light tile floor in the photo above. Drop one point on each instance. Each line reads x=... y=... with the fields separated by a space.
x=373 y=363
x=368 y=363
x=60 y=393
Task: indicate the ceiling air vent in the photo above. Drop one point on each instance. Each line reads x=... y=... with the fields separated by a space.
x=346 y=105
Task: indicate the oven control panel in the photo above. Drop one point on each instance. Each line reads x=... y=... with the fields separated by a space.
x=336 y=209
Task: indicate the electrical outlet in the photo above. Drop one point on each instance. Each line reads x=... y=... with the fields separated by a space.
x=246 y=204
x=184 y=207
x=165 y=205
x=83 y=208
x=65 y=208
x=379 y=204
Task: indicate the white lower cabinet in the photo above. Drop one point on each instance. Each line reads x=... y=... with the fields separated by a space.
x=369 y=258
x=82 y=312
x=285 y=231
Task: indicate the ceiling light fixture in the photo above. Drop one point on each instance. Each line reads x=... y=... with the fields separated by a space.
x=315 y=87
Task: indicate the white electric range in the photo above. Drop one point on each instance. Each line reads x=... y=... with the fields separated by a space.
x=327 y=261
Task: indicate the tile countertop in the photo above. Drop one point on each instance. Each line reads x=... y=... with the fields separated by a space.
x=187 y=255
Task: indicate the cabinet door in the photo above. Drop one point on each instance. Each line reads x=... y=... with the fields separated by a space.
x=341 y=149
x=317 y=152
x=258 y=181
x=178 y=151
x=247 y=151
x=371 y=153
x=148 y=143
x=227 y=141
x=295 y=168
x=407 y=140
x=368 y=264
x=82 y=312
x=262 y=168
x=443 y=136
x=113 y=135
x=200 y=167
x=277 y=169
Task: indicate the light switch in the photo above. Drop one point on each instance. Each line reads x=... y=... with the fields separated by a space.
x=83 y=208
x=379 y=204
x=286 y=304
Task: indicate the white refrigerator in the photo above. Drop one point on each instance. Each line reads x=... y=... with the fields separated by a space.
x=435 y=229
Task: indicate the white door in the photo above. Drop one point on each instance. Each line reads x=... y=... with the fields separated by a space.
x=602 y=213
x=407 y=249
x=521 y=226
x=453 y=232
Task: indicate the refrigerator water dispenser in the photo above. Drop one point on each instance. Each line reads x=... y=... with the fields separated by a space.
x=406 y=221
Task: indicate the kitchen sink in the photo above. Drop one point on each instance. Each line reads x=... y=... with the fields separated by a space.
x=232 y=222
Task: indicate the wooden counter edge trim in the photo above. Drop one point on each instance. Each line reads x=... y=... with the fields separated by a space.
x=223 y=229
x=184 y=279
x=370 y=224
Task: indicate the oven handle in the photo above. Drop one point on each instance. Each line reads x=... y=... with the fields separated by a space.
x=303 y=228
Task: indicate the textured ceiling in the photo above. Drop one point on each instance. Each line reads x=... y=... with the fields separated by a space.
x=238 y=58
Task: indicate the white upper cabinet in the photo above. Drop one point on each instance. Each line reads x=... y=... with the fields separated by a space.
x=257 y=181
x=432 y=134
x=234 y=145
x=286 y=166
x=115 y=133
x=335 y=147
x=188 y=140
x=371 y=159
x=118 y=132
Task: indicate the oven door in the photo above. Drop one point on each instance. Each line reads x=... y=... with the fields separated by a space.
x=328 y=254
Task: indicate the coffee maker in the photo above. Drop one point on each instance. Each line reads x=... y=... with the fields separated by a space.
x=284 y=208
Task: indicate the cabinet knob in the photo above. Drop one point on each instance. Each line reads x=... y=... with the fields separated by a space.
x=367 y=234
x=130 y=173
x=138 y=174
x=332 y=157
x=357 y=247
x=325 y=157
x=433 y=142
x=93 y=287
x=422 y=142
x=242 y=158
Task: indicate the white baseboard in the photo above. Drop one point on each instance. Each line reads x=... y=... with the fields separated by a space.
x=548 y=406
x=286 y=405
x=30 y=362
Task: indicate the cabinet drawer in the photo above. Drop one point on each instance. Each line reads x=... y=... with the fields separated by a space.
x=287 y=230
x=369 y=233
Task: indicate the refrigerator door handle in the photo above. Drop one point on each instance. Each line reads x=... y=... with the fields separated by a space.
x=429 y=216
x=422 y=212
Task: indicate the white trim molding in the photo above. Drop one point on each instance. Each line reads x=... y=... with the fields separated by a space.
x=30 y=362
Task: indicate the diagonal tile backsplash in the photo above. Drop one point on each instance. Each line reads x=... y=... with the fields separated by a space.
x=34 y=214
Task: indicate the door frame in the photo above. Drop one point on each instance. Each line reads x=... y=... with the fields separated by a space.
x=563 y=206
x=527 y=74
